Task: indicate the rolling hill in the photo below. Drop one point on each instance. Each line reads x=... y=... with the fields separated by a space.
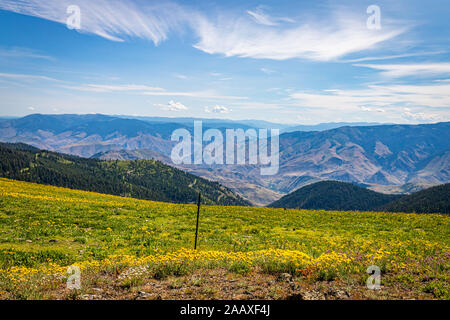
x=334 y=195
x=145 y=179
x=431 y=200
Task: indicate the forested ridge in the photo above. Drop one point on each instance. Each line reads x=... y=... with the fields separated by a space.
x=431 y=200
x=334 y=195
x=142 y=179
x=341 y=196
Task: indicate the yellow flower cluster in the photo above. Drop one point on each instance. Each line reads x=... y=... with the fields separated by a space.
x=207 y=257
x=299 y=260
x=23 y=274
x=60 y=199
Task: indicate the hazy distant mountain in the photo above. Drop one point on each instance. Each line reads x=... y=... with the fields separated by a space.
x=215 y=123
x=334 y=195
x=387 y=158
x=329 y=126
x=86 y=135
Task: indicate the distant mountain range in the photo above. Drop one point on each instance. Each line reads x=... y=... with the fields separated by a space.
x=284 y=128
x=328 y=126
x=388 y=158
x=384 y=158
x=341 y=196
x=145 y=179
x=375 y=155
x=215 y=123
x=86 y=135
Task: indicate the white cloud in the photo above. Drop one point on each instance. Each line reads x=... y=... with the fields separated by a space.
x=260 y=17
x=218 y=109
x=421 y=116
x=172 y=106
x=194 y=94
x=112 y=88
x=31 y=108
x=25 y=77
x=16 y=52
x=267 y=71
x=216 y=74
x=397 y=56
x=148 y=91
x=405 y=70
x=341 y=35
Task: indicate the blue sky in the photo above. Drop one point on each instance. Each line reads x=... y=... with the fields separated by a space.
x=299 y=62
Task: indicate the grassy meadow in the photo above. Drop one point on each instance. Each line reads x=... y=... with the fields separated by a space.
x=126 y=246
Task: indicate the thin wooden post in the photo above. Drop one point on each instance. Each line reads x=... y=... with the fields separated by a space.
x=198 y=218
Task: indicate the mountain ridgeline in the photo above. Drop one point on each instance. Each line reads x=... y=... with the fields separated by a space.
x=334 y=195
x=341 y=196
x=431 y=200
x=143 y=179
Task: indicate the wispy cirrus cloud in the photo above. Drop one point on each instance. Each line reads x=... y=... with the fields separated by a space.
x=228 y=34
x=395 y=56
x=261 y=17
x=111 y=88
x=148 y=91
x=26 y=77
x=115 y=20
x=406 y=70
x=17 y=52
x=194 y=94
x=341 y=35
